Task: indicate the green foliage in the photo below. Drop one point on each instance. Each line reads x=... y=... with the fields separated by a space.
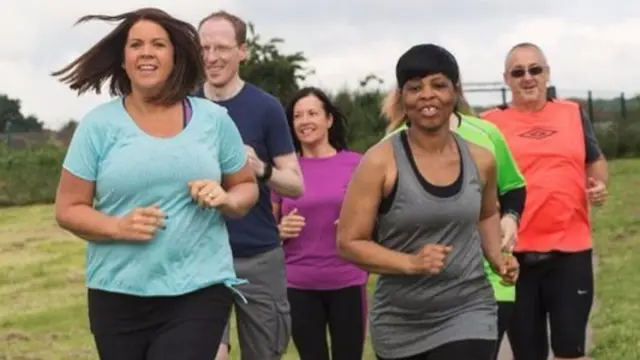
x=617 y=126
x=29 y=175
x=362 y=109
x=12 y=119
x=266 y=67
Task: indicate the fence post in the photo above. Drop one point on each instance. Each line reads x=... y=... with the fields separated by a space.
x=623 y=106
x=503 y=91
x=551 y=92
x=7 y=131
x=590 y=105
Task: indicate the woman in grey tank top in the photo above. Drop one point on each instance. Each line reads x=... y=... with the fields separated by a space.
x=431 y=199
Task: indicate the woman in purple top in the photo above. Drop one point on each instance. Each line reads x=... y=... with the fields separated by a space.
x=324 y=290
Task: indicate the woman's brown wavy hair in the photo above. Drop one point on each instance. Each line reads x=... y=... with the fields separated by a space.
x=103 y=61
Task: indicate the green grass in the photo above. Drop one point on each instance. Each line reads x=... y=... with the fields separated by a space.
x=616 y=321
x=43 y=313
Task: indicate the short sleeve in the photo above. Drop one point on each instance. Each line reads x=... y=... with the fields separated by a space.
x=591 y=146
x=278 y=132
x=231 y=152
x=84 y=152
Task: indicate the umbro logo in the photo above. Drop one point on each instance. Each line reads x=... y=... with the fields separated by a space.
x=538 y=133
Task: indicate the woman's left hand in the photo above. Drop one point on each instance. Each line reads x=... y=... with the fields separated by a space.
x=208 y=193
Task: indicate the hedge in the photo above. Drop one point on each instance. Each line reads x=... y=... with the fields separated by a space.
x=30 y=175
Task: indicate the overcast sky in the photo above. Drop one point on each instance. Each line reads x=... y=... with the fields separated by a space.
x=590 y=44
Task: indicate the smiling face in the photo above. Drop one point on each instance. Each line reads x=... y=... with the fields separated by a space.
x=148 y=56
x=429 y=102
x=527 y=75
x=311 y=122
x=221 y=52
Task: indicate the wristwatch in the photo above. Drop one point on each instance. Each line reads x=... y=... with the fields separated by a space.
x=266 y=174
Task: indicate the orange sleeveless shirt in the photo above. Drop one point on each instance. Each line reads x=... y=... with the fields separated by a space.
x=549 y=148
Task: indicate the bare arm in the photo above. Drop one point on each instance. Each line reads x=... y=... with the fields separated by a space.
x=242 y=190
x=599 y=169
x=75 y=213
x=286 y=178
x=489 y=222
x=358 y=217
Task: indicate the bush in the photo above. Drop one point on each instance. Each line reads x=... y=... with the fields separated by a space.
x=619 y=139
x=29 y=175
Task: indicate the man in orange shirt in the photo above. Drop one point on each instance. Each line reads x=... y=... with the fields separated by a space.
x=555 y=147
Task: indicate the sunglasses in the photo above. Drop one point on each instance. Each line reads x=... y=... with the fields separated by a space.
x=533 y=71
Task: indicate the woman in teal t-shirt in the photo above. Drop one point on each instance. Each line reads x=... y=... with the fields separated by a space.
x=511 y=184
x=145 y=182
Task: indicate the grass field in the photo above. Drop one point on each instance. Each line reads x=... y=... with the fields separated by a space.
x=43 y=302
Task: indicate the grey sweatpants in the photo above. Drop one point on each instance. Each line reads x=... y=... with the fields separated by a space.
x=264 y=322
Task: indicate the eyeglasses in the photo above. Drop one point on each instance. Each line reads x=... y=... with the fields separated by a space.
x=533 y=71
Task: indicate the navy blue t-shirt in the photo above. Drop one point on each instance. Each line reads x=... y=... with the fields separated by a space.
x=263 y=125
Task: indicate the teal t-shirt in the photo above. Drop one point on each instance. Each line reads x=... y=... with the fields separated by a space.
x=509 y=177
x=133 y=169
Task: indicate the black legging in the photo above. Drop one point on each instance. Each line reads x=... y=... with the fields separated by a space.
x=342 y=311
x=505 y=309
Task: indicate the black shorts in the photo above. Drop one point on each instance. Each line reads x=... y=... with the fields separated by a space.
x=558 y=286
x=457 y=350
x=185 y=327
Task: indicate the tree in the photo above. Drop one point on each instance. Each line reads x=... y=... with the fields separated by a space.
x=277 y=73
x=12 y=119
x=362 y=109
x=69 y=127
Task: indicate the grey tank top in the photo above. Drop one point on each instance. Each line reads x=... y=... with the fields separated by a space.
x=414 y=314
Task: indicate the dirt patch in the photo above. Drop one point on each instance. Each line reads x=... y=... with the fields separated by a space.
x=15 y=336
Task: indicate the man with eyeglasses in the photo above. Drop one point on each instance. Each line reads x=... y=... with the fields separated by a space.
x=262 y=312
x=555 y=147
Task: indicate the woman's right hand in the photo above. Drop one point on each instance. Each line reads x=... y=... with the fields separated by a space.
x=140 y=224
x=429 y=260
x=291 y=225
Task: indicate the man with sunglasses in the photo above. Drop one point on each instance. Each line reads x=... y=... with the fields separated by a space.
x=555 y=147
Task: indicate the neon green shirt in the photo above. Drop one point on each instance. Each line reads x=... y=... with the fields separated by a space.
x=509 y=177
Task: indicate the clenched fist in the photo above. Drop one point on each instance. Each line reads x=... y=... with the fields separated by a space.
x=510 y=270
x=597 y=191
x=291 y=225
x=430 y=259
x=140 y=224
x=208 y=193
